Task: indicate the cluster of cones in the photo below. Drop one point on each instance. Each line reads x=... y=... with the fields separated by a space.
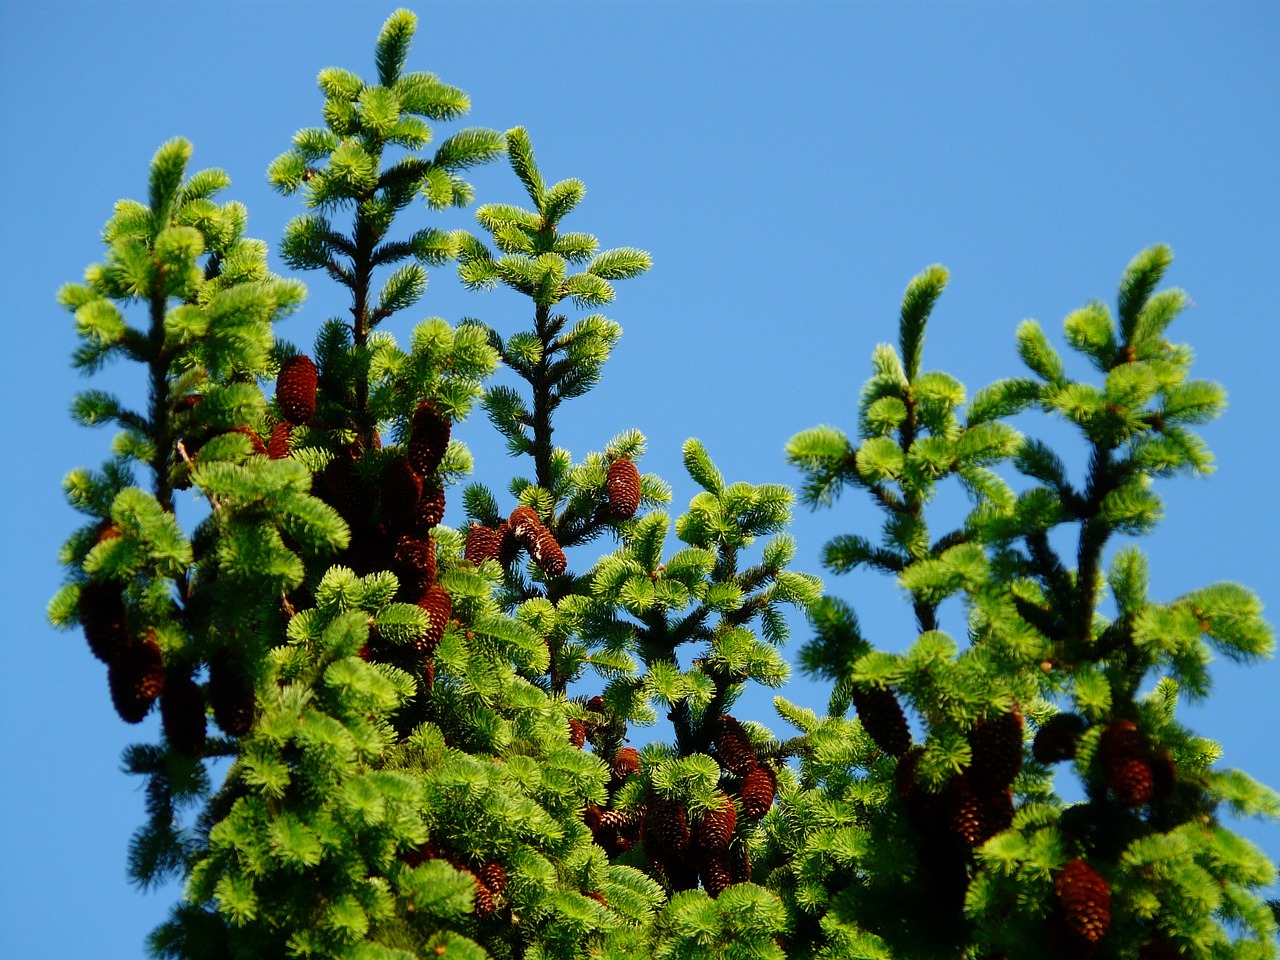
x=684 y=848
x=490 y=878
x=523 y=530
x=1135 y=774
x=137 y=675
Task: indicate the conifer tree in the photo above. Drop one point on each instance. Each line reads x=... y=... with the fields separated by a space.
x=411 y=757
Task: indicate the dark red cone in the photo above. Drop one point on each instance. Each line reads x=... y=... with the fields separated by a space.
x=296 y=389
x=734 y=747
x=717 y=826
x=1057 y=737
x=996 y=744
x=428 y=438
x=102 y=615
x=494 y=877
x=625 y=762
x=258 y=446
x=415 y=563
x=401 y=491
x=577 y=732
x=717 y=874
x=278 y=444
x=883 y=719
x=136 y=678
x=1086 y=901
x=182 y=713
x=439 y=607
x=622 y=487
x=230 y=695
x=430 y=508
x=758 y=788
x=547 y=554
x=508 y=545
x=1124 y=758
x=483 y=544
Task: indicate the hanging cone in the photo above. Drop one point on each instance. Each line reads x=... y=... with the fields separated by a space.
x=494 y=877
x=717 y=874
x=102 y=615
x=717 y=826
x=964 y=812
x=625 y=763
x=508 y=545
x=734 y=747
x=485 y=903
x=430 y=509
x=256 y=441
x=577 y=732
x=1124 y=759
x=136 y=678
x=296 y=389
x=419 y=854
x=758 y=788
x=996 y=745
x=278 y=444
x=547 y=554
x=482 y=544
x=740 y=863
x=598 y=897
x=346 y=492
x=428 y=438
x=525 y=526
x=1086 y=901
x=666 y=828
x=925 y=810
x=439 y=609
x=182 y=713
x=995 y=805
x=415 y=563
x=883 y=719
x=1057 y=737
x=231 y=695
x=622 y=488
x=401 y=491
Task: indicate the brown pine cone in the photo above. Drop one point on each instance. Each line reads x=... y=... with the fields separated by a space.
x=508 y=544
x=717 y=874
x=485 y=903
x=734 y=747
x=547 y=554
x=1124 y=758
x=430 y=508
x=1057 y=737
x=717 y=826
x=296 y=389
x=256 y=441
x=494 y=877
x=482 y=544
x=740 y=863
x=622 y=488
x=136 y=678
x=401 y=491
x=278 y=443
x=420 y=854
x=883 y=719
x=598 y=897
x=439 y=607
x=182 y=713
x=345 y=490
x=415 y=562
x=1086 y=901
x=577 y=732
x=231 y=695
x=101 y=608
x=997 y=809
x=758 y=788
x=526 y=526
x=428 y=438
x=625 y=763
x=925 y=810
x=997 y=749
x=666 y=828
x=964 y=812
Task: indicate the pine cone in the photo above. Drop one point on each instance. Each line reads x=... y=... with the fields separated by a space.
x=547 y=554
x=666 y=829
x=925 y=810
x=401 y=491
x=102 y=615
x=508 y=545
x=883 y=719
x=439 y=609
x=182 y=713
x=494 y=877
x=346 y=492
x=625 y=762
x=136 y=678
x=482 y=544
x=734 y=747
x=577 y=732
x=1086 y=901
x=430 y=508
x=416 y=562
x=278 y=444
x=296 y=389
x=420 y=854
x=964 y=812
x=231 y=695
x=717 y=826
x=256 y=441
x=1056 y=740
x=717 y=874
x=526 y=526
x=997 y=809
x=1164 y=776
x=740 y=863
x=598 y=897
x=997 y=750
x=428 y=438
x=758 y=788
x=1125 y=761
x=596 y=704
x=622 y=487
x=485 y=903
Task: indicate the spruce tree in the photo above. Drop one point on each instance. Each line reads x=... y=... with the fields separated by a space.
x=411 y=757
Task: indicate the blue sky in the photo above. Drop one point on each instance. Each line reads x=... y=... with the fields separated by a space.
x=789 y=166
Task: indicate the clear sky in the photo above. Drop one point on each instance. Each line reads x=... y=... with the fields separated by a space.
x=790 y=166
